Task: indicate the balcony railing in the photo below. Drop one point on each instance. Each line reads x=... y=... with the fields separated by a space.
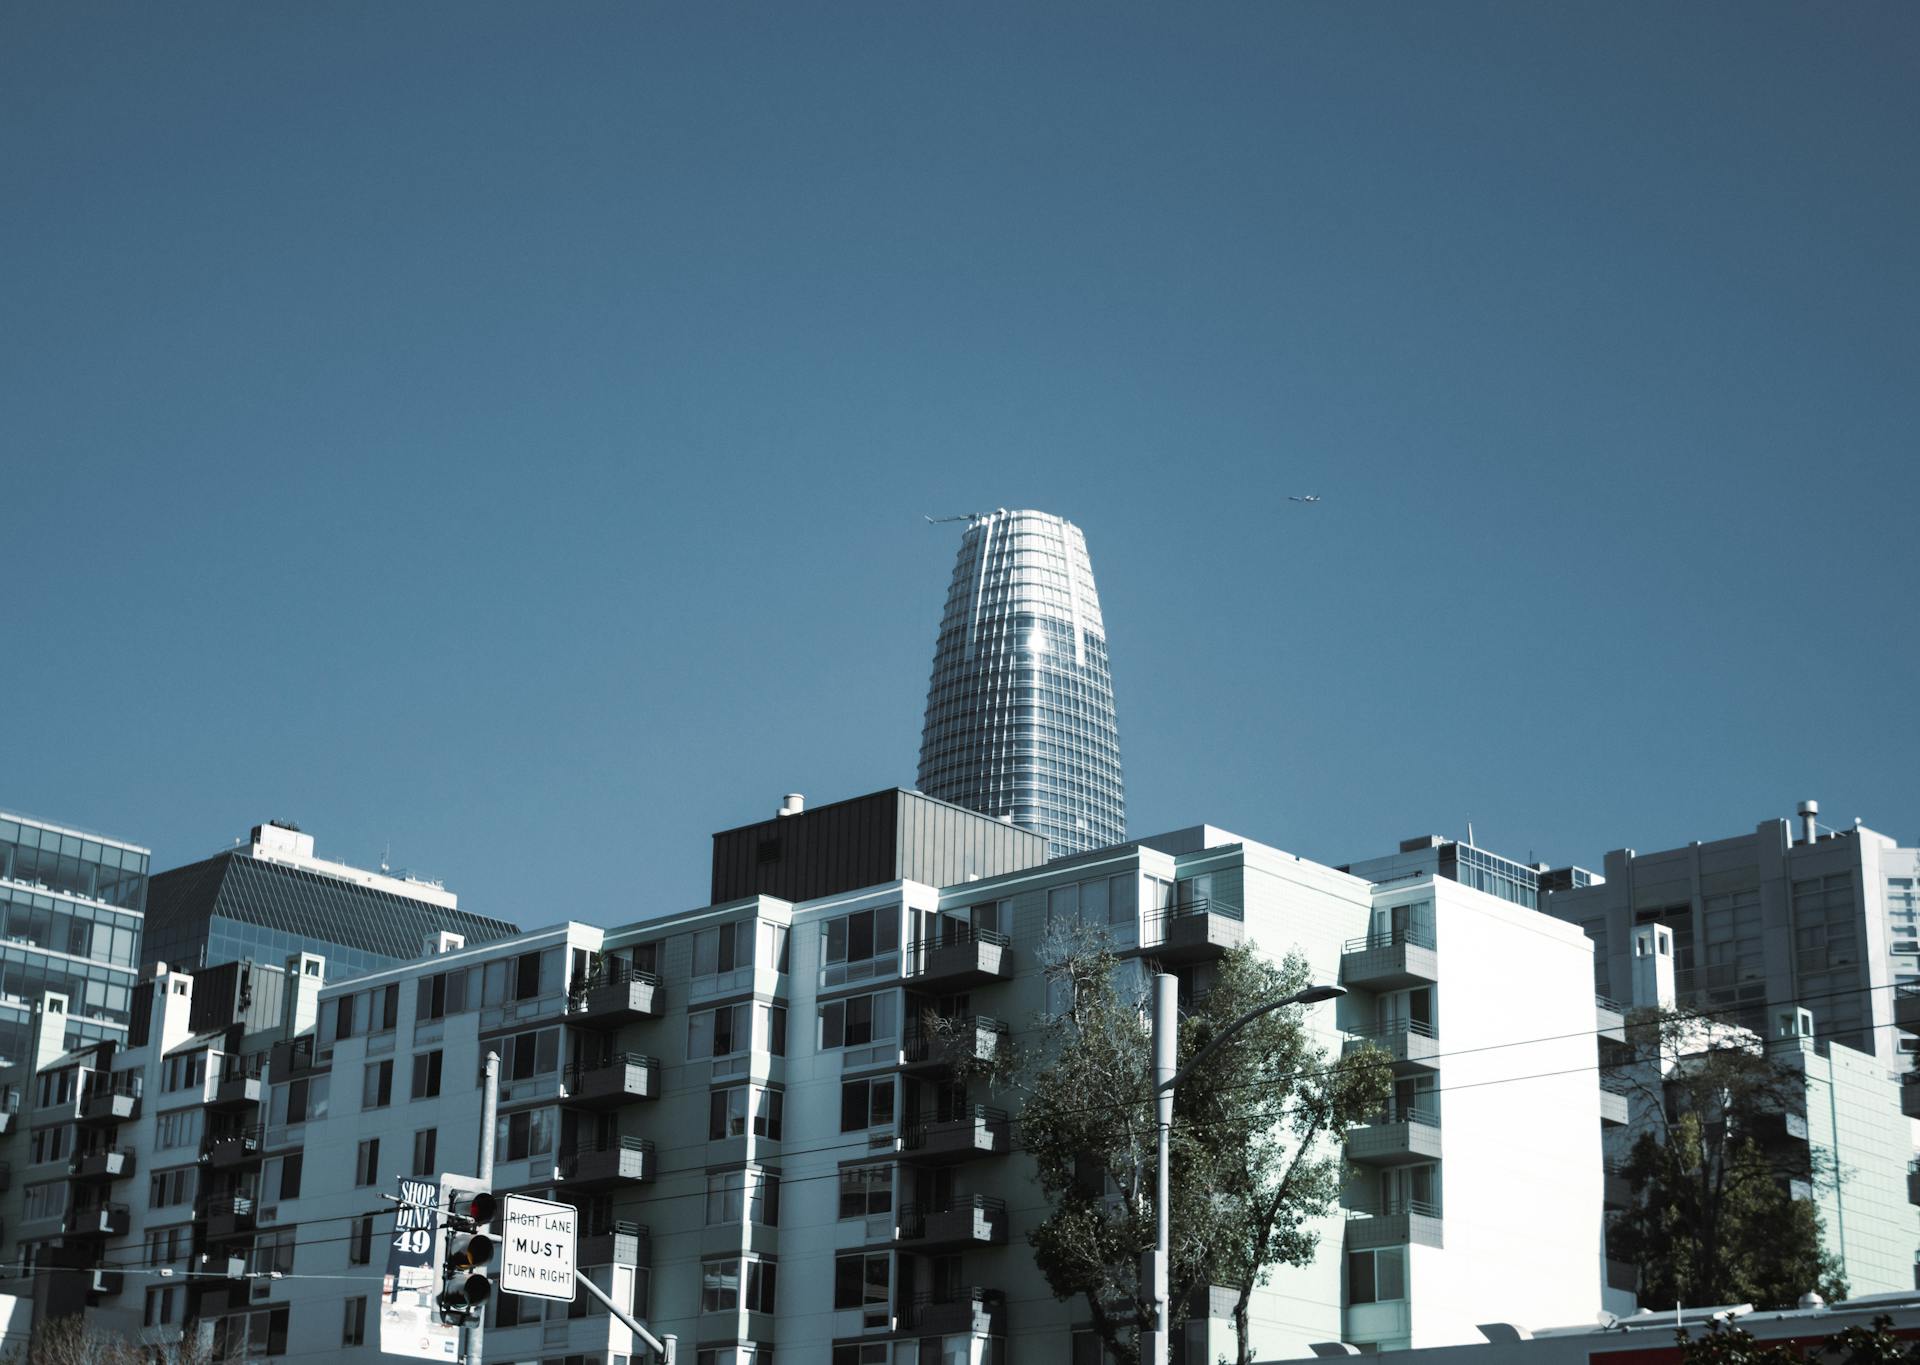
x=236 y=1147
x=624 y=1076
x=1390 y=938
x=608 y=1162
x=959 y=955
x=966 y=1220
x=982 y=1131
x=966 y=1038
x=975 y=1310
x=616 y=991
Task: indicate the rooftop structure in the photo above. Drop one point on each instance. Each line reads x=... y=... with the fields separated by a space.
x=271 y=898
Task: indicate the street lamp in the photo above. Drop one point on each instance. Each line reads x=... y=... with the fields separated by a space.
x=1166 y=1038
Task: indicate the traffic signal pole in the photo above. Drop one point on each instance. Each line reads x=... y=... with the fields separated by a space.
x=473 y=1334
x=664 y=1350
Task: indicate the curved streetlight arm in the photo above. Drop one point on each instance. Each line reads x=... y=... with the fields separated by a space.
x=1311 y=995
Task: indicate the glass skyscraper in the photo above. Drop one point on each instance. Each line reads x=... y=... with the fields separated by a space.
x=1020 y=719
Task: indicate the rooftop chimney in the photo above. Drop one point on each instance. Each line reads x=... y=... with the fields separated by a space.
x=792 y=803
x=1808 y=809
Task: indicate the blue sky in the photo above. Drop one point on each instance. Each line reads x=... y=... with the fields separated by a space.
x=502 y=432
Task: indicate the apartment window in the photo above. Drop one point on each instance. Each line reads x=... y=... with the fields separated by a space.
x=300 y=1100
x=866 y=1190
x=280 y=1179
x=526 y=1134
x=866 y=1353
x=163 y=1305
x=366 y=1166
x=46 y=1201
x=166 y=1189
x=50 y=1144
x=183 y=1073
x=178 y=1128
x=722 y=949
x=719 y=1033
x=245 y=1336
x=165 y=1245
x=858 y=946
x=866 y=1104
x=426 y=1075
x=863 y=1281
x=353 y=1332
x=730 y=1112
x=376 y=1085
x=859 y=1019
x=425 y=1145
x=749 y=1192
x=273 y=1252
x=360 y=1242
x=526 y=1055
x=773 y=1027
x=1377 y=1276
x=737 y=1283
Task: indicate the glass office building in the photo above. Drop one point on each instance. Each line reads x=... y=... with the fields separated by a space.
x=240 y=906
x=1020 y=717
x=72 y=904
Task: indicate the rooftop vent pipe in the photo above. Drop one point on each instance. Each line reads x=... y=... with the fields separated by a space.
x=1808 y=809
x=792 y=803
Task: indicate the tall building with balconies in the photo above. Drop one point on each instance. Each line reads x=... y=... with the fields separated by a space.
x=1020 y=719
x=770 y=1116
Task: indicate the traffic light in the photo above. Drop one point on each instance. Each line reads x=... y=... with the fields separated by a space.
x=467 y=1251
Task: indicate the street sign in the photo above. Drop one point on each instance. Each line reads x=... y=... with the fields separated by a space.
x=537 y=1248
x=408 y=1324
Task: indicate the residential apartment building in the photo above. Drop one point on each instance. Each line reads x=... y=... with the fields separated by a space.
x=1838 y=1136
x=73 y=906
x=1765 y=921
x=773 y=1152
x=270 y=897
x=1461 y=861
x=1020 y=720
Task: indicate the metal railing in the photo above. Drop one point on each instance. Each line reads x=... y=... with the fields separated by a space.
x=1408 y=1113
x=956 y=937
x=913 y=1131
x=615 y=973
x=233 y=1206
x=921 y=1306
x=249 y=1139
x=1418 y=1028
x=963 y=1032
x=1193 y=909
x=619 y=1059
x=1393 y=1207
x=914 y=1216
x=1611 y=1006
x=1421 y=937
x=620 y=1143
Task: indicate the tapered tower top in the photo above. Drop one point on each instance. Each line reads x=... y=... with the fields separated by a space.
x=1020 y=718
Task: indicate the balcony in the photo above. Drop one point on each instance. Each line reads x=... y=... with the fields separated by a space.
x=225 y=1219
x=1399 y=1136
x=109 y=1106
x=605 y=1165
x=228 y=1151
x=1910 y=1096
x=1390 y=960
x=291 y=1057
x=966 y=1221
x=969 y=1042
x=104 y=1220
x=1616 y=1191
x=1408 y=1044
x=981 y=1133
x=235 y=1092
x=1393 y=1223
x=980 y=1312
x=1611 y=1018
x=625 y=1244
x=616 y=994
x=1906 y=1006
x=6 y=1183
x=9 y=1107
x=1613 y=1106
x=110 y=1164
x=959 y=958
x=1622 y=1275
x=1196 y=932
x=604 y=1085
x=104 y=1283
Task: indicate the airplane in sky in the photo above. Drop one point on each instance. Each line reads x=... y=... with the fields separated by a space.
x=1303 y=497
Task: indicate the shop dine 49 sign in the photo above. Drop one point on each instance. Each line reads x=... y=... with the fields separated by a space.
x=537 y=1248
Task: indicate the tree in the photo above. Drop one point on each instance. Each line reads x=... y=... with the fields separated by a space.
x=1255 y=1146
x=1725 y=1344
x=1713 y=1219
x=74 y=1341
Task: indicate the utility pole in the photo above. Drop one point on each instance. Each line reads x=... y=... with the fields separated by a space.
x=473 y=1335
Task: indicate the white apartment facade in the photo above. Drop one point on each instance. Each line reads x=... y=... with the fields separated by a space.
x=771 y=1156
